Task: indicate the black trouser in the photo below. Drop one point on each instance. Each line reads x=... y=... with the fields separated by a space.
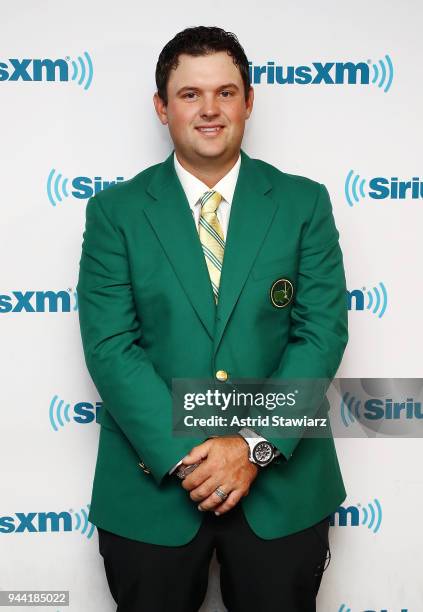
x=256 y=575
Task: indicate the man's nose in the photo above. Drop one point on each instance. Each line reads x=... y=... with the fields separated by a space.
x=210 y=107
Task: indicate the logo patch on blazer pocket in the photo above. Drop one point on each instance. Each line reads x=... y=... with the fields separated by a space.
x=281 y=292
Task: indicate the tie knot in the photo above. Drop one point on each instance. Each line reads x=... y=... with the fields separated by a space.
x=210 y=201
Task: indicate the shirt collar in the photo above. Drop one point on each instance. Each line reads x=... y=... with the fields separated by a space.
x=194 y=188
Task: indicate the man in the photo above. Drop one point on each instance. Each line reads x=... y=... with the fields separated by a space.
x=210 y=265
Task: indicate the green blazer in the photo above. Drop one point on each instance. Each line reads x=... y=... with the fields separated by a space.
x=147 y=314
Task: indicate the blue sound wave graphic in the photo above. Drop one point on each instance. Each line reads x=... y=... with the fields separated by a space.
x=82 y=523
x=372 y=515
x=378 y=300
x=354 y=188
x=350 y=406
x=57 y=187
x=58 y=412
x=383 y=73
x=83 y=70
x=344 y=608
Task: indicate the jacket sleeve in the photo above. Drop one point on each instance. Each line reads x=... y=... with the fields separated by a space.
x=319 y=319
x=133 y=393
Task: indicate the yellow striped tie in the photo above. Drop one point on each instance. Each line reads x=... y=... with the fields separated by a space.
x=211 y=237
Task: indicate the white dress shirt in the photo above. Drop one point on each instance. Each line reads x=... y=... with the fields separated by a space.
x=194 y=189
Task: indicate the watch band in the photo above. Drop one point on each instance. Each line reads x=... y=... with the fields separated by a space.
x=183 y=470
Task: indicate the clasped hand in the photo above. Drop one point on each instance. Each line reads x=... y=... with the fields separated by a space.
x=224 y=465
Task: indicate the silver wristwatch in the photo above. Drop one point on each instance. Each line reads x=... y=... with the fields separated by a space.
x=261 y=451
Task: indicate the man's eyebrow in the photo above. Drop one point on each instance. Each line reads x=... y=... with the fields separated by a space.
x=192 y=87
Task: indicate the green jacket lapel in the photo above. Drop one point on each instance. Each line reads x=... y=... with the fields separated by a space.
x=171 y=218
x=251 y=215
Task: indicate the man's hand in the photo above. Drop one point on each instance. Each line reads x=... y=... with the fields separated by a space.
x=224 y=464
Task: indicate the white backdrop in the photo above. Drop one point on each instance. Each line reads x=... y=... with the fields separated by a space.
x=102 y=124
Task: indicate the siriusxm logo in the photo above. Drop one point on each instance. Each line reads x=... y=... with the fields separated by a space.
x=81 y=187
x=375 y=299
x=79 y=71
x=379 y=73
x=354 y=516
x=381 y=188
x=41 y=522
x=39 y=301
x=82 y=413
x=345 y=608
x=373 y=409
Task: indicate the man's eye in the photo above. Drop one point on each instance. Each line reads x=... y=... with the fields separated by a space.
x=192 y=93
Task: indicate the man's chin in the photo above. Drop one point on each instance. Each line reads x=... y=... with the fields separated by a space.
x=212 y=152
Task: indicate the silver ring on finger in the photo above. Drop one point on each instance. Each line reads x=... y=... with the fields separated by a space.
x=221 y=493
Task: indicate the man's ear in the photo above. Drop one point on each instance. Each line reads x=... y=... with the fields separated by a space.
x=161 y=108
x=249 y=102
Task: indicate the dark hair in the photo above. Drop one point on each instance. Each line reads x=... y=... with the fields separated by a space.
x=197 y=41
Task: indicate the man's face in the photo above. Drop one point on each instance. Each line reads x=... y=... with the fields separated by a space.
x=206 y=109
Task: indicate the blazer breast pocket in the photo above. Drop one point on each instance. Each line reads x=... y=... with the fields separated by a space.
x=281 y=267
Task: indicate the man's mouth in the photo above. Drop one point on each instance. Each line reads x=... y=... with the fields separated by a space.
x=210 y=130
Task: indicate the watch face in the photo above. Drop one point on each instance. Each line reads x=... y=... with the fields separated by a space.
x=262 y=452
